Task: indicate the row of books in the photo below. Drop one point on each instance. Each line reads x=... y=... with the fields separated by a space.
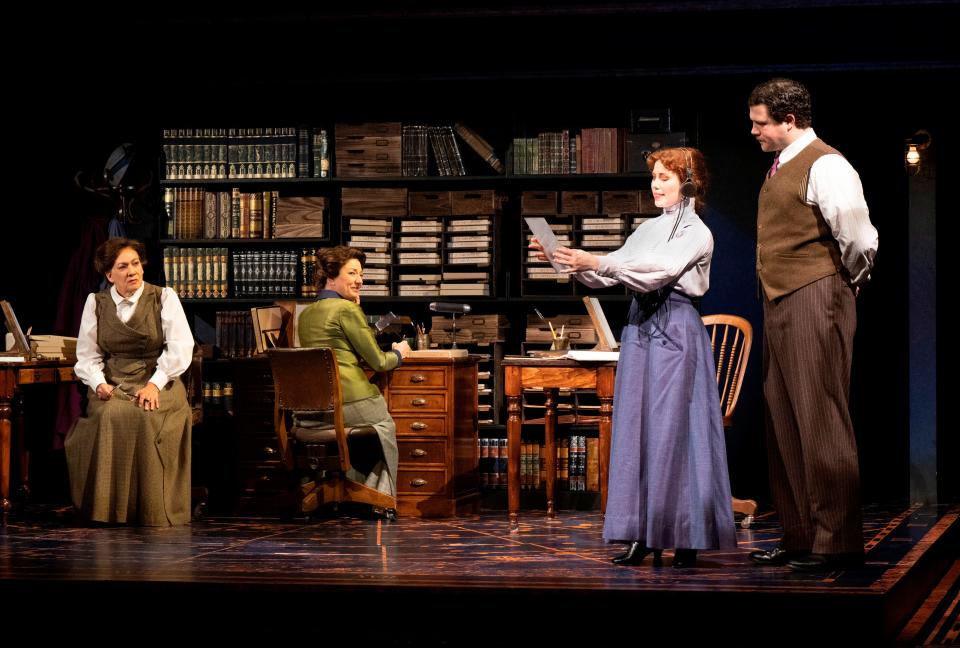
x=220 y=153
x=193 y=213
x=592 y=150
x=204 y=273
x=577 y=463
x=415 y=142
x=234 y=334
x=218 y=397
x=197 y=273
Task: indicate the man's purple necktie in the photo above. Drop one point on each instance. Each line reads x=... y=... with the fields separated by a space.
x=773 y=168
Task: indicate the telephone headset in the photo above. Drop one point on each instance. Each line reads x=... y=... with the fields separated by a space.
x=688 y=189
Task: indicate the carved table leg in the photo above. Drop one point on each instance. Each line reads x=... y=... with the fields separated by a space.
x=605 y=381
x=512 y=392
x=5 y=412
x=22 y=451
x=550 y=448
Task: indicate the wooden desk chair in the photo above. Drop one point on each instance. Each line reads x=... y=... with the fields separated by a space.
x=730 y=339
x=312 y=434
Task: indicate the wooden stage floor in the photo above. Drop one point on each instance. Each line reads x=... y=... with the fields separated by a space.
x=460 y=581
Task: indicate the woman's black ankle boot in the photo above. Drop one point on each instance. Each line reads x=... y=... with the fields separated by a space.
x=635 y=554
x=685 y=558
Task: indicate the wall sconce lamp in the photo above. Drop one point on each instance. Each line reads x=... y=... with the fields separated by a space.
x=920 y=140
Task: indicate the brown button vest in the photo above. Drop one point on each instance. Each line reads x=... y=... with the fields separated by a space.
x=795 y=246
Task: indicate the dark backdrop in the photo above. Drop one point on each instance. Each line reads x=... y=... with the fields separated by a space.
x=877 y=71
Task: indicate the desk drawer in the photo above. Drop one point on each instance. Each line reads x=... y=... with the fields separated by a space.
x=254 y=424
x=422 y=482
x=418 y=401
x=420 y=426
x=31 y=376
x=418 y=377
x=254 y=402
x=260 y=478
x=415 y=453
x=258 y=448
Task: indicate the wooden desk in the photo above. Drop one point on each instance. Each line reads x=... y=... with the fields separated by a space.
x=12 y=377
x=552 y=375
x=434 y=404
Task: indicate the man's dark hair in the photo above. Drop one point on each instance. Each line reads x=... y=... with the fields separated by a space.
x=784 y=97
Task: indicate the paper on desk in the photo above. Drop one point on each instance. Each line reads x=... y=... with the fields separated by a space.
x=541 y=230
x=586 y=355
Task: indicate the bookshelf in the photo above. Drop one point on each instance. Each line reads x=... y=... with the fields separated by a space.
x=437 y=222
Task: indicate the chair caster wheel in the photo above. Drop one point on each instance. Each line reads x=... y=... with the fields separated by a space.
x=385 y=513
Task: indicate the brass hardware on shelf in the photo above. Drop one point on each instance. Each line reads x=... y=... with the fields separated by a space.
x=417 y=483
x=418 y=452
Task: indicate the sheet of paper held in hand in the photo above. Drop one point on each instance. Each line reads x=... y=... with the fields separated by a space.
x=541 y=230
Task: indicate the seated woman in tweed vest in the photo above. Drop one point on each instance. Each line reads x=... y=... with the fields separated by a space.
x=129 y=456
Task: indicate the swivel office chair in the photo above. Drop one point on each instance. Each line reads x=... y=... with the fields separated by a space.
x=314 y=440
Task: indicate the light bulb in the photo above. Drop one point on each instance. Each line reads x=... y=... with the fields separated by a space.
x=913 y=155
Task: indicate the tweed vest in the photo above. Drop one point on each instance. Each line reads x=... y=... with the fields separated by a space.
x=130 y=348
x=795 y=246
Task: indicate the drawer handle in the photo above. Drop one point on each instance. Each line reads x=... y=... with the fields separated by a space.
x=418 y=426
x=417 y=483
x=418 y=452
x=264 y=478
x=267 y=450
x=418 y=402
x=418 y=378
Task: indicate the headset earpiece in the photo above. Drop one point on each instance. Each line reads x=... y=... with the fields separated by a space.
x=687 y=188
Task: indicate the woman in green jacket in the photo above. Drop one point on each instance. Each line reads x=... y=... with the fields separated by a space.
x=336 y=320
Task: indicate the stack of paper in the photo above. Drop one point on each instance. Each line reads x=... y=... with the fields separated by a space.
x=54 y=347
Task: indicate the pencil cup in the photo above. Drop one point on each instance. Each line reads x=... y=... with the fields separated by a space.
x=561 y=343
x=423 y=342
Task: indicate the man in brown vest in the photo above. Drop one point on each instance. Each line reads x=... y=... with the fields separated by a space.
x=815 y=247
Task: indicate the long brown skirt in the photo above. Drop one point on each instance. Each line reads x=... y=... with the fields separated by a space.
x=129 y=465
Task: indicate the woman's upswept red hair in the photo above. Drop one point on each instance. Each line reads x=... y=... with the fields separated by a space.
x=678 y=160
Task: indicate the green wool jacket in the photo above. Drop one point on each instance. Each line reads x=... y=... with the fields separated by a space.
x=341 y=325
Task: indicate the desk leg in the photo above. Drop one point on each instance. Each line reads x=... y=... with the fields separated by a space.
x=23 y=452
x=512 y=392
x=550 y=448
x=5 y=412
x=605 y=382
